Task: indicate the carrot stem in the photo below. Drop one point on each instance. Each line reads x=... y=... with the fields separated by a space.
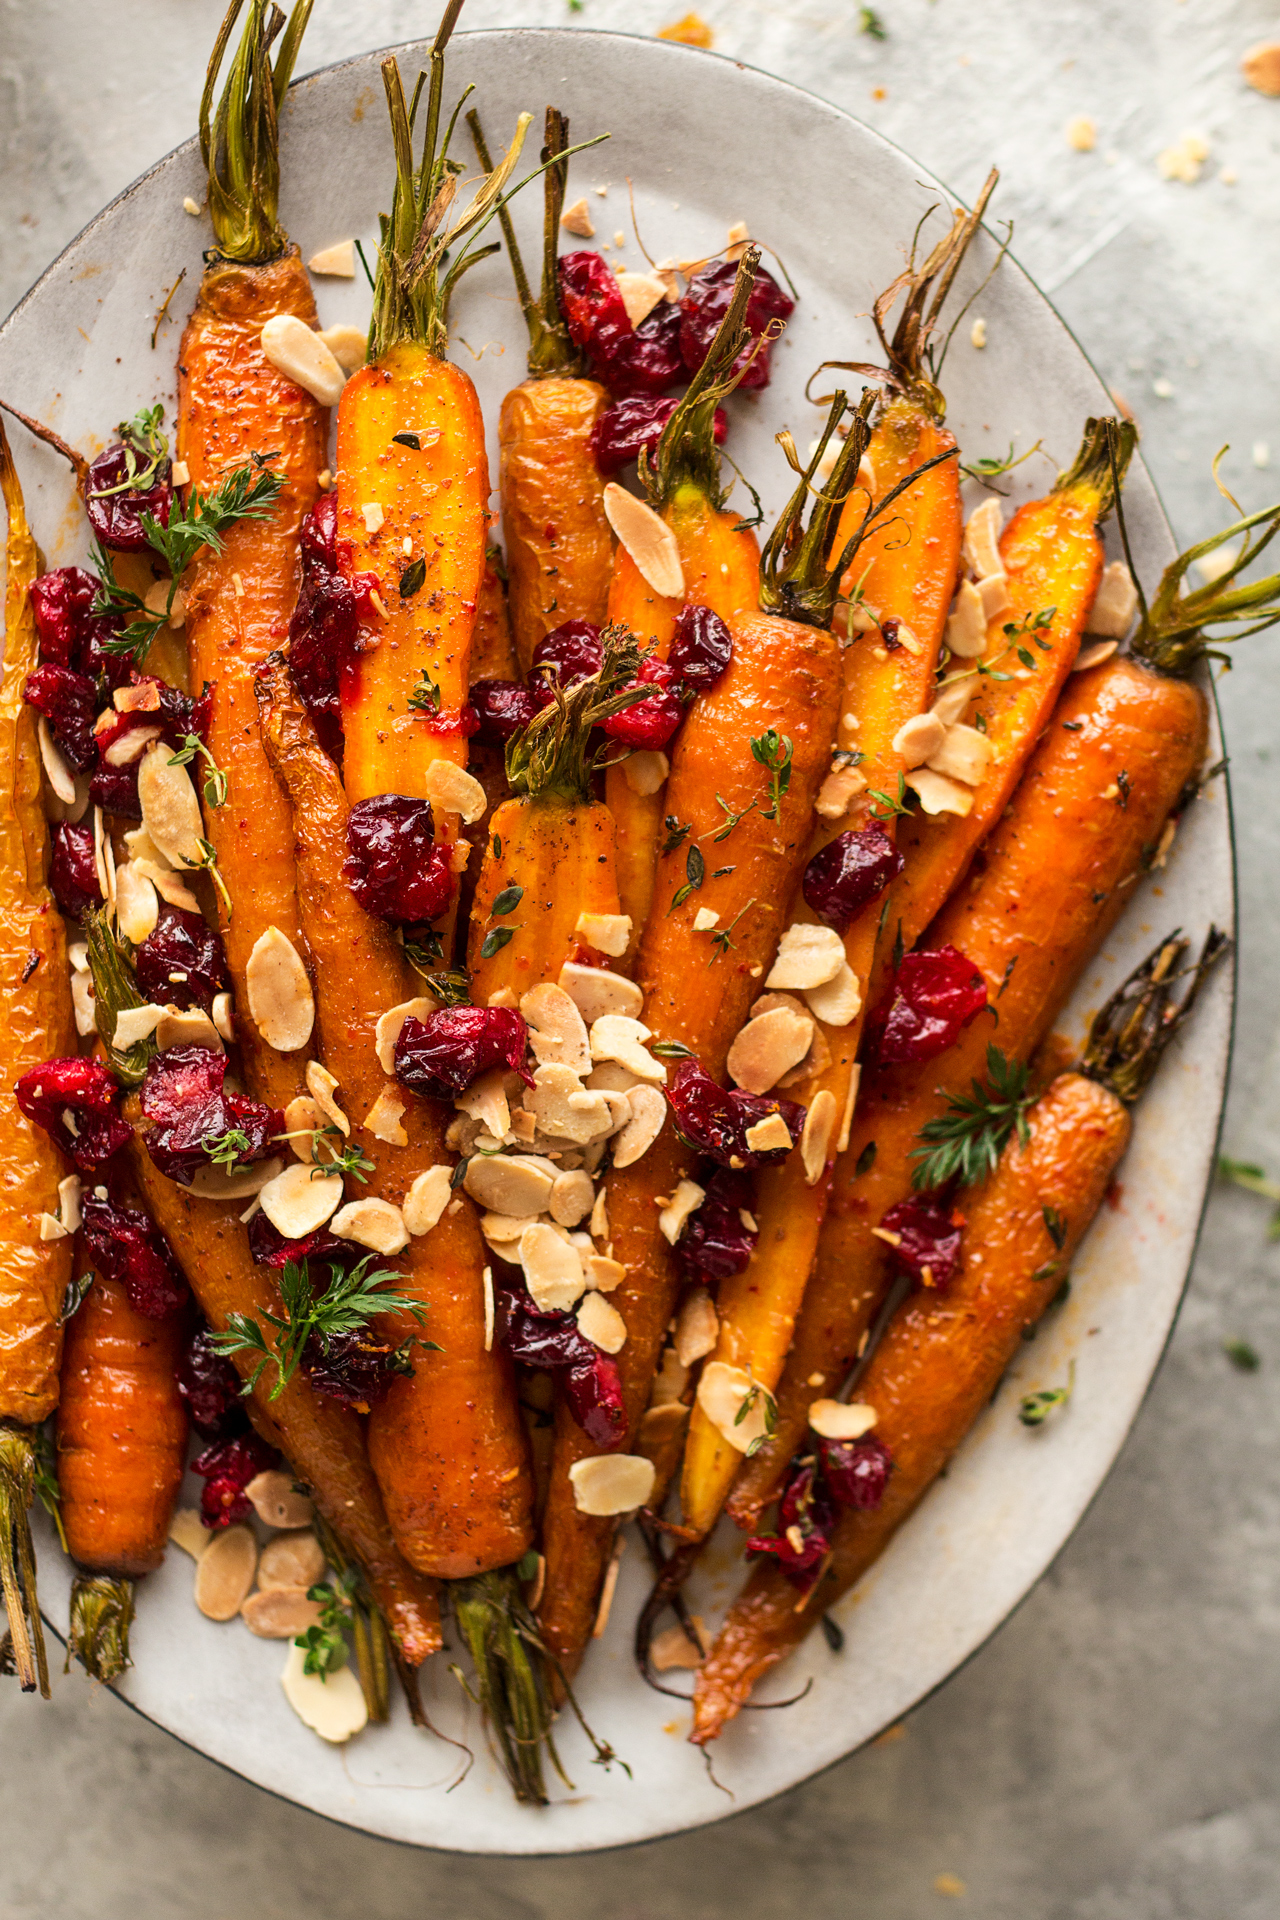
x=102 y=1609
x=18 y=1560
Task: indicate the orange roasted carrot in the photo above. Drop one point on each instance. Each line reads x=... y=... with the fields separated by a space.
x=943 y=1354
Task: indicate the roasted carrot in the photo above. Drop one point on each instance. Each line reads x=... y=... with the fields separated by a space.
x=943 y=1354
x=492 y=647
x=558 y=541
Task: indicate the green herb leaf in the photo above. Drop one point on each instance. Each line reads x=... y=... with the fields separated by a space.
x=495 y=940
x=774 y=751
x=215 y=782
x=967 y=1141
x=425 y=697
x=412 y=578
x=676 y=833
x=325 y=1643
x=1034 y=1408
x=1055 y=1226
x=866 y=1160
x=870 y=23
x=349 y=1303
x=889 y=803
x=507 y=901
x=225 y=1148
x=1242 y=1355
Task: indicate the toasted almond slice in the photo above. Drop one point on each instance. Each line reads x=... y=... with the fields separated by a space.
x=224 y=1573
x=302 y=356
x=1091 y=656
x=503 y=997
x=215 y=1183
x=557 y=1030
x=292 y=1560
x=610 y=1076
x=953 y=700
x=514 y=1184
x=170 y=810
x=572 y=1198
x=136 y=1023
x=69 y=1203
x=552 y=1268
x=302 y=1122
x=51 y=1229
x=451 y=789
x=348 y=345
x=332 y=1705
x=171 y=889
x=770 y=1135
x=648 y=1112
x=938 y=794
x=672 y=1651
x=385 y=1117
x=686 y=1199
x=137 y=908
x=338 y=261
x=82 y=1004
x=967 y=623
x=645 y=772
x=609 y=1483
x=994 y=594
x=767 y=1047
x=565 y=1109
x=599 y=1226
x=601 y=1324
x=130 y=746
x=322 y=1087
x=616 y=1036
x=982 y=538
x=387 y=1031
x=300 y=1199
x=965 y=755
x=918 y=739
x=577 y=220
x=697 y=1328
x=808 y=955
x=603 y=1272
x=641 y=293
x=277 y=1503
x=606 y=932
x=371 y=1223
x=187 y=1027
x=833 y=1420
x=279 y=1613
x=59 y=774
x=819 y=1126
x=648 y=539
x=816 y=1061
x=486 y=1100
x=281 y=1003
x=850 y=1102
x=658 y=1425
x=670 y=1380
x=595 y=991
x=505 y=1230
x=735 y=1407
x=704 y=919
x=838 y=792
x=427 y=1198
x=837 y=1001
x=224 y=1018
x=188 y=1531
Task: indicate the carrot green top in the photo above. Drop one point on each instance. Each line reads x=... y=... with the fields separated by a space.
x=240 y=143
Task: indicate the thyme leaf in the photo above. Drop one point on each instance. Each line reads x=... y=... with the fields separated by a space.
x=1034 y=1408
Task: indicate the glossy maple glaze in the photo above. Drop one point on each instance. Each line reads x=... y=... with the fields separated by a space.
x=559 y=544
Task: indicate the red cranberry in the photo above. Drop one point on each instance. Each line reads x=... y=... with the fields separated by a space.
x=210 y=1386
x=182 y=1094
x=182 y=943
x=325 y=628
x=592 y=1382
x=60 y=605
x=66 y=699
x=643 y=359
x=650 y=723
x=226 y=1468
x=129 y=1248
x=270 y=1248
x=929 y=1239
x=717 y=1243
x=442 y=1055
x=178 y=715
x=849 y=873
x=73 y=870
x=115 y=790
x=75 y=1101
x=115 y=509
x=806 y=1519
x=705 y=303
x=634 y=426
x=701 y=648
x=355 y=1368
x=503 y=708
x=856 y=1471
x=569 y=653
x=933 y=996
x=715 y=1120
x=395 y=869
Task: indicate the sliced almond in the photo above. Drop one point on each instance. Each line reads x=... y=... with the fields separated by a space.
x=611 y=1483
x=670 y=1381
x=577 y=220
x=659 y=1425
x=641 y=293
x=838 y=792
x=134 y=1024
x=645 y=772
x=384 y=1119
x=608 y=1076
x=137 y=907
x=572 y=1198
x=648 y=1112
x=952 y=702
x=281 y=1003
x=819 y=1126
x=704 y=919
x=427 y=1198
x=965 y=755
x=69 y=1203
x=503 y=997
x=769 y=1046
x=301 y=1123
x=173 y=891
x=595 y=991
x=648 y=539
x=833 y=1420
x=371 y=1223
x=808 y=956
x=322 y=1087
x=967 y=623
x=57 y=771
x=697 y=1328
x=301 y=1199
x=170 y=810
x=337 y=261
x=224 y=1573
x=187 y=1027
x=51 y=1228
x=816 y=1061
x=349 y=346
x=188 y=1531
x=557 y=1030
x=599 y=1227
x=486 y=1100
x=836 y=1002
x=130 y=746
x=302 y=356
x=514 y=1184
x=672 y=1651
x=735 y=1407
x=601 y=1324
x=504 y=1231
x=994 y=595
x=279 y=1613
x=603 y=1273
x=1091 y=656
x=277 y=1502
x=332 y=1705
x=216 y=1183
x=552 y=1268
x=564 y=1108
x=982 y=539
x=918 y=739
x=373 y=516
x=387 y=1031
x=616 y=1036
x=82 y=1004
x=451 y=789
x=293 y=1560
x=606 y=932
x=938 y=794
x=686 y=1200
x=770 y=1135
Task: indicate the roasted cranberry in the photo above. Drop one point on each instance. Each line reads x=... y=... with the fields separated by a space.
x=701 y=648
x=210 y=1386
x=592 y=1382
x=717 y=1242
x=653 y=359
x=270 y=1248
x=179 y=716
x=443 y=1054
x=354 y=1368
x=643 y=359
x=929 y=1236
x=567 y=654
x=73 y=870
x=395 y=869
x=325 y=627
x=226 y=1468
x=66 y=699
x=60 y=606
x=933 y=996
x=182 y=1094
x=634 y=426
x=650 y=723
x=75 y=1102
x=116 y=508
x=806 y=1519
x=856 y=1471
x=181 y=962
x=503 y=707
x=716 y=1119
x=704 y=305
x=849 y=873
x=115 y=790
x=129 y=1248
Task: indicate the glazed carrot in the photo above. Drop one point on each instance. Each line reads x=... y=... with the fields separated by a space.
x=446 y=1444
x=234 y=405
x=559 y=544
x=492 y=647
x=37 y=1022
x=943 y=1354
x=696 y=988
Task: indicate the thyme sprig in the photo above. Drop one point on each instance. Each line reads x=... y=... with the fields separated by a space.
x=350 y=1302
x=1242 y=1173
x=225 y=1149
x=215 y=780
x=774 y=751
x=989 y=467
x=1034 y=1408
x=325 y=1643
x=143 y=440
x=966 y=1142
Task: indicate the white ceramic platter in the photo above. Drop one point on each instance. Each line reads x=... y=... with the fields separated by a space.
x=704 y=142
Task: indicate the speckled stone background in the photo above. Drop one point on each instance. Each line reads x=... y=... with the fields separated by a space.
x=1114 y=1754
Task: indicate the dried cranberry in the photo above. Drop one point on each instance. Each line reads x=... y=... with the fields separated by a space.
x=75 y=1102
x=643 y=359
x=502 y=707
x=717 y=1242
x=634 y=426
x=592 y=1382
x=806 y=1520
x=178 y=715
x=856 y=1471
x=929 y=1238
x=567 y=654
x=182 y=943
x=210 y=1386
x=652 y=359
x=933 y=996
x=716 y=1119
x=129 y=1248
x=227 y=1467
x=849 y=873
x=395 y=868
x=182 y=1094
x=66 y=699
x=115 y=790
x=443 y=1054
x=116 y=509
x=270 y=1248
x=325 y=628
x=73 y=869
x=704 y=305
x=701 y=648
x=355 y=1368
x=650 y=723
x=60 y=605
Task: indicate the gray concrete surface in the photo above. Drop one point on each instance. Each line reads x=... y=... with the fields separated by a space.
x=1113 y=1754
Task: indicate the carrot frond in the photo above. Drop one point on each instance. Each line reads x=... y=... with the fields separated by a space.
x=1128 y=1037
x=686 y=453
x=101 y=1615
x=1102 y=462
x=240 y=142
x=551 y=349
x=553 y=754
x=799 y=576
x=18 y=1559
x=1171 y=636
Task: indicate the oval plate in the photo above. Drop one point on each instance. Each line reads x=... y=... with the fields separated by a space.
x=704 y=142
